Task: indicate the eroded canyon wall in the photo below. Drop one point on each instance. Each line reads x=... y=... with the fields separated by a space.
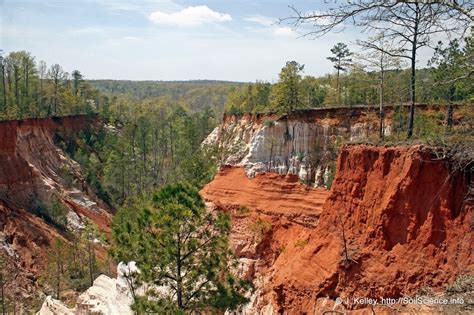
x=35 y=173
x=396 y=220
x=304 y=143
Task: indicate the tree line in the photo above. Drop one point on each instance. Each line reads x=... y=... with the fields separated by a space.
x=31 y=89
x=369 y=78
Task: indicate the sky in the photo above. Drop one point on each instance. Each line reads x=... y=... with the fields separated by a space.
x=235 y=40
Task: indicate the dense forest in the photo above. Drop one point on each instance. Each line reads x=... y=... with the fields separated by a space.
x=194 y=95
x=32 y=89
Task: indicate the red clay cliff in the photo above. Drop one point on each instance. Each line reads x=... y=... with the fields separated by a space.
x=396 y=220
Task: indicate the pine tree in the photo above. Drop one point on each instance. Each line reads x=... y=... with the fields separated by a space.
x=340 y=62
x=178 y=245
x=287 y=92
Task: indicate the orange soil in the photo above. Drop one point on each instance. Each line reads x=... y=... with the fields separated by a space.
x=30 y=167
x=406 y=225
x=264 y=192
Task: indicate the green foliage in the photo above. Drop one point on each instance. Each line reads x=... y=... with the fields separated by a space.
x=454 y=65
x=447 y=79
x=428 y=125
x=30 y=89
x=243 y=210
x=56 y=276
x=269 y=122
x=145 y=145
x=331 y=175
x=341 y=57
x=72 y=264
x=197 y=95
x=52 y=212
x=178 y=244
x=252 y=98
x=287 y=93
x=261 y=227
x=463 y=283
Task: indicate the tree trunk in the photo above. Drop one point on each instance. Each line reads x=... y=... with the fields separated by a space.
x=58 y=274
x=17 y=79
x=381 y=113
x=4 y=84
x=179 y=284
x=27 y=71
x=91 y=267
x=40 y=105
x=450 y=117
x=411 y=118
x=337 y=88
x=56 y=96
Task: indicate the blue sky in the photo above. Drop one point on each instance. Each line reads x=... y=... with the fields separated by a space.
x=165 y=39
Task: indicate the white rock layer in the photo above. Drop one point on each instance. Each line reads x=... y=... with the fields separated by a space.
x=283 y=146
x=106 y=297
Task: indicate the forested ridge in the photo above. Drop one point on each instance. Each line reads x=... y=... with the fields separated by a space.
x=196 y=95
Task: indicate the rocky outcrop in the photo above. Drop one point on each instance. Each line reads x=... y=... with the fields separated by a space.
x=106 y=296
x=396 y=221
x=33 y=168
x=267 y=193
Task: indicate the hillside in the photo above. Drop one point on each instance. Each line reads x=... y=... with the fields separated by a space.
x=43 y=198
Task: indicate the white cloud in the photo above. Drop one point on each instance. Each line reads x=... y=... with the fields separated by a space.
x=284 y=31
x=190 y=16
x=260 y=19
x=271 y=25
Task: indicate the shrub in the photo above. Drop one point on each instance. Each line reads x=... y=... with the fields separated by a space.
x=243 y=210
x=463 y=283
x=54 y=213
x=261 y=227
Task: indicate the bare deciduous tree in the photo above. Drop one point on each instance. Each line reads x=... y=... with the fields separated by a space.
x=377 y=59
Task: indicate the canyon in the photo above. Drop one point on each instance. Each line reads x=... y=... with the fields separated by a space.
x=396 y=220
